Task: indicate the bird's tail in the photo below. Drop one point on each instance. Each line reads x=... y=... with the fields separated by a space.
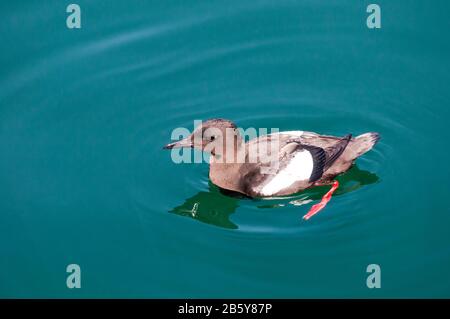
x=364 y=143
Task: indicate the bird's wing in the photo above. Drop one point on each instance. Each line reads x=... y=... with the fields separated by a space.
x=294 y=163
x=333 y=152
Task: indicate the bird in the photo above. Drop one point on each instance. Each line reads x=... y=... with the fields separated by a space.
x=275 y=164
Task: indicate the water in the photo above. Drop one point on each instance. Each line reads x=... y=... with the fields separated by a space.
x=84 y=114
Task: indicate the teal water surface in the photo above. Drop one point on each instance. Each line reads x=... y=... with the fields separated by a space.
x=84 y=114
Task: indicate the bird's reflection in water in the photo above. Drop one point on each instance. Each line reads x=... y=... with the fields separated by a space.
x=213 y=207
x=216 y=205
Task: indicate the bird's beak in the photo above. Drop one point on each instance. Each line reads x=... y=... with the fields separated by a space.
x=186 y=142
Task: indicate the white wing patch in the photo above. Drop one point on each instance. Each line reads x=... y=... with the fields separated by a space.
x=299 y=168
x=293 y=133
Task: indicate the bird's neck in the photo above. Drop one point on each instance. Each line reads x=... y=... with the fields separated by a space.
x=233 y=151
x=224 y=166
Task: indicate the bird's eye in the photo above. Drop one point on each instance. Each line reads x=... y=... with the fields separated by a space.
x=212 y=138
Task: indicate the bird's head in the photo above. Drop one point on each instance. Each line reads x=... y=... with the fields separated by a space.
x=211 y=136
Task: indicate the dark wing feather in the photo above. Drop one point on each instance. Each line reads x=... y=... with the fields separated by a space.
x=333 y=152
x=319 y=160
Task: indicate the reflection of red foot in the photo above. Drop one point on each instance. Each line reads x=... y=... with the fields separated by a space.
x=325 y=199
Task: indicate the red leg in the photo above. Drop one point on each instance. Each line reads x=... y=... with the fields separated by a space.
x=325 y=199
